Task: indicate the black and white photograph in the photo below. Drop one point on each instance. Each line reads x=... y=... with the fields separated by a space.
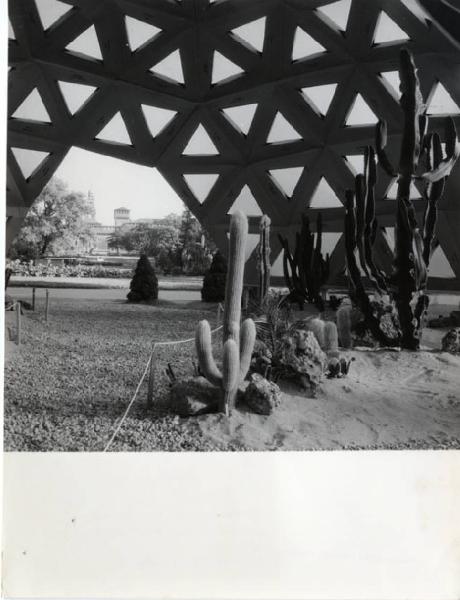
x=232 y=299
x=232 y=225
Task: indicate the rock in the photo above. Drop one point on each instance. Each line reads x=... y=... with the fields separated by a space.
x=451 y=341
x=300 y=352
x=261 y=396
x=193 y=396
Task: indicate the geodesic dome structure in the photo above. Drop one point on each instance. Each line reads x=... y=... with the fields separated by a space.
x=262 y=105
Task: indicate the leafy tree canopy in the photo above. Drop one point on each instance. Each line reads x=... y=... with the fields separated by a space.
x=57 y=223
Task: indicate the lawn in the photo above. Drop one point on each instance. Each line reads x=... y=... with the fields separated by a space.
x=71 y=379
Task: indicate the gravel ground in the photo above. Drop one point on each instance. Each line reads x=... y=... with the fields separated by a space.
x=72 y=378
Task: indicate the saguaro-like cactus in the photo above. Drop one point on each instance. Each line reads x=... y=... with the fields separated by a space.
x=307 y=270
x=263 y=257
x=421 y=158
x=238 y=346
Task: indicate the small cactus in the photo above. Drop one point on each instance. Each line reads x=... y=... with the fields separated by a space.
x=316 y=326
x=331 y=339
x=238 y=345
x=344 y=325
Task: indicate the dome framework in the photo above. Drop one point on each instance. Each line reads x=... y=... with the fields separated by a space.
x=264 y=105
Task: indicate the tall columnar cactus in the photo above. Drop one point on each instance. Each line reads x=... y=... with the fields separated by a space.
x=307 y=270
x=421 y=158
x=238 y=345
x=263 y=257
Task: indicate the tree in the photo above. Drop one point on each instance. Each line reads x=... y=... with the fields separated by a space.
x=144 y=284
x=196 y=246
x=57 y=223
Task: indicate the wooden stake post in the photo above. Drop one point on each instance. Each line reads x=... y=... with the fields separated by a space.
x=18 y=323
x=33 y=298
x=47 y=304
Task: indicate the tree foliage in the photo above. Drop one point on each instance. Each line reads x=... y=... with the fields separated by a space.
x=57 y=223
x=176 y=243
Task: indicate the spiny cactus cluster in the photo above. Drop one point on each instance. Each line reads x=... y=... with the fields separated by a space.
x=238 y=344
x=306 y=271
x=421 y=158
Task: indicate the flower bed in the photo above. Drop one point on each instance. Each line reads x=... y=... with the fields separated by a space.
x=29 y=269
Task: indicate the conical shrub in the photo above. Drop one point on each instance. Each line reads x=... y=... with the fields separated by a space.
x=144 y=284
x=213 y=289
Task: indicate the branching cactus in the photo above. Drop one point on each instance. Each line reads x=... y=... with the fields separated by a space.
x=307 y=270
x=238 y=345
x=421 y=158
x=263 y=258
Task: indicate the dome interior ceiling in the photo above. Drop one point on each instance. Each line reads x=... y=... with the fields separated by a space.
x=263 y=105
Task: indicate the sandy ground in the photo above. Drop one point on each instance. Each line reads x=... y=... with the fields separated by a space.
x=388 y=400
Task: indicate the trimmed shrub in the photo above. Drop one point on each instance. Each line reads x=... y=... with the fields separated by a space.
x=144 y=284
x=213 y=289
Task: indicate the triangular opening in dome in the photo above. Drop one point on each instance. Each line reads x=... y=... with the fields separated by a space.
x=440 y=265
x=355 y=163
x=246 y=203
x=115 y=131
x=282 y=131
x=75 y=94
x=388 y=31
x=200 y=143
x=51 y=11
x=139 y=32
x=157 y=118
x=86 y=44
x=241 y=116
x=170 y=68
x=223 y=68
x=29 y=160
x=320 y=97
x=305 y=45
x=287 y=179
x=32 y=109
x=392 y=78
x=361 y=113
x=442 y=103
x=324 y=197
x=11 y=34
x=252 y=33
x=337 y=12
x=201 y=184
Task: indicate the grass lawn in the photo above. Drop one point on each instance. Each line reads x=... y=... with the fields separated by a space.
x=71 y=379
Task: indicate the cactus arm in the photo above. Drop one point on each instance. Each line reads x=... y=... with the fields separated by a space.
x=370 y=227
x=380 y=143
x=230 y=375
x=247 y=340
x=433 y=194
x=444 y=167
x=235 y=273
x=360 y=218
x=206 y=361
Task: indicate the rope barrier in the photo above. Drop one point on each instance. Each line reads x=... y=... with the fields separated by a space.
x=148 y=366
